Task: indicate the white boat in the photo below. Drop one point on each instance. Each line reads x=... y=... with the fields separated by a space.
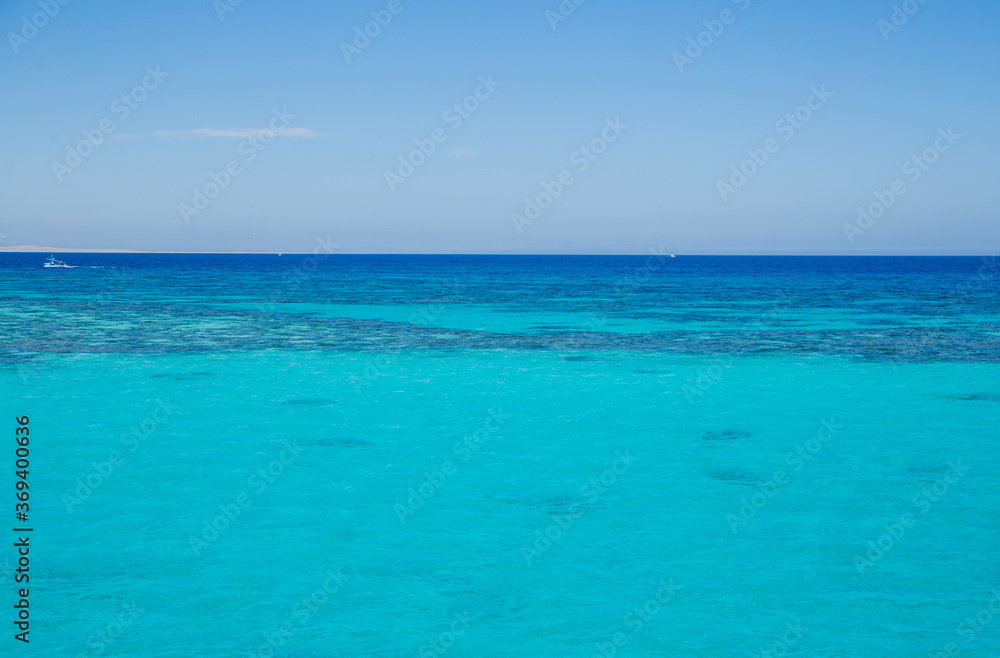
x=52 y=262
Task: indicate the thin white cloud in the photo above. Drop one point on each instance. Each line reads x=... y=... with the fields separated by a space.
x=240 y=133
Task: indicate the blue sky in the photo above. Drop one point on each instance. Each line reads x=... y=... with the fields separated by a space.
x=339 y=126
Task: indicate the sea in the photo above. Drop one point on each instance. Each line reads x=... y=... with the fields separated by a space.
x=329 y=455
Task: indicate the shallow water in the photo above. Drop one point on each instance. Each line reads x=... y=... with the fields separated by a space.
x=734 y=451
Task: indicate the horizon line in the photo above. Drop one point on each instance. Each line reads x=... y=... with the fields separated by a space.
x=34 y=249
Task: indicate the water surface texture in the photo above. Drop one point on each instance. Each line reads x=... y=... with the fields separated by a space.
x=497 y=456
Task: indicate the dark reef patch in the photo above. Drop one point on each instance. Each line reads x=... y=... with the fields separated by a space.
x=309 y=402
x=183 y=376
x=735 y=476
x=341 y=443
x=973 y=397
x=726 y=435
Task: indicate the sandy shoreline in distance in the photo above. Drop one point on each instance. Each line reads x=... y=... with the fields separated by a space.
x=32 y=248
x=35 y=249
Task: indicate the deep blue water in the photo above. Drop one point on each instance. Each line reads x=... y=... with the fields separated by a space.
x=902 y=308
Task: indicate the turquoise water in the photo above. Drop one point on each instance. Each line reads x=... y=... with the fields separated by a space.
x=506 y=475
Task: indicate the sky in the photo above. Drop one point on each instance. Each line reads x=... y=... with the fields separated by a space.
x=697 y=127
